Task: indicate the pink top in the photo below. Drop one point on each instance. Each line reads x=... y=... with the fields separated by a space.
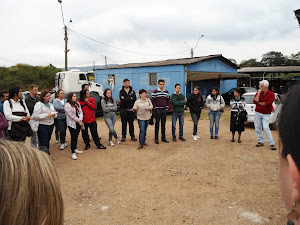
x=3 y=125
x=71 y=115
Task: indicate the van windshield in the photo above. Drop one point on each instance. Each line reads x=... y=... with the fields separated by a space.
x=249 y=99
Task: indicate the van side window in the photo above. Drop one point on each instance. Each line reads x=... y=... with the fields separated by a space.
x=82 y=76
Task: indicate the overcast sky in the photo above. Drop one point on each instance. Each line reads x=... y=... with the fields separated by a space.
x=32 y=30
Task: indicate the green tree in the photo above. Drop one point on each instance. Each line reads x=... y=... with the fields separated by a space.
x=273 y=58
x=250 y=63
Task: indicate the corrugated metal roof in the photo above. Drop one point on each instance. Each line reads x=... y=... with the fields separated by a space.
x=272 y=69
x=196 y=75
x=184 y=61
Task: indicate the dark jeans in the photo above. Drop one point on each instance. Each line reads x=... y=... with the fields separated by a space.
x=127 y=117
x=143 y=124
x=195 y=118
x=180 y=116
x=44 y=135
x=160 y=115
x=56 y=129
x=61 y=125
x=74 y=137
x=94 y=132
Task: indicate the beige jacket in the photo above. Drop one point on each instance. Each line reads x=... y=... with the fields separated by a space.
x=142 y=113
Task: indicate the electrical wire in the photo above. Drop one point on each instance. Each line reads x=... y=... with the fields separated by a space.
x=62 y=14
x=122 y=48
x=93 y=48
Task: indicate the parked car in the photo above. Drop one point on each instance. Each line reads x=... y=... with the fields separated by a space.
x=250 y=108
x=230 y=94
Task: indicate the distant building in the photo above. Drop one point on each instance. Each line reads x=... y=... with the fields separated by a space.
x=206 y=72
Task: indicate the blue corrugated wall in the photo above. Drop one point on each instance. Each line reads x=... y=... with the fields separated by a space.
x=139 y=77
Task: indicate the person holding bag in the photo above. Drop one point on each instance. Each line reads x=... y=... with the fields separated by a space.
x=17 y=115
x=143 y=107
x=215 y=103
x=45 y=113
x=74 y=118
x=237 y=105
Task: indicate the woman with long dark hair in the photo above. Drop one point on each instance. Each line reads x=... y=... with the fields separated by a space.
x=109 y=107
x=215 y=103
x=237 y=104
x=45 y=113
x=17 y=115
x=195 y=103
x=88 y=106
x=74 y=118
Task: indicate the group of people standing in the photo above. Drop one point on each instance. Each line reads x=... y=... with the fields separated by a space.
x=37 y=116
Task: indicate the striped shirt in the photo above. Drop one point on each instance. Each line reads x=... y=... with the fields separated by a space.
x=237 y=104
x=160 y=99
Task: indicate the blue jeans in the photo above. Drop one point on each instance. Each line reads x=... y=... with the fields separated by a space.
x=61 y=126
x=44 y=134
x=261 y=121
x=176 y=115
x=143 y=124
x=110 y=122
x=214 y=119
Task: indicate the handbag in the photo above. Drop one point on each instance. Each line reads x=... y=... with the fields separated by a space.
x=244 y=115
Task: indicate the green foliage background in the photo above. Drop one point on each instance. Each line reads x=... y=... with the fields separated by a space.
x=23 y=75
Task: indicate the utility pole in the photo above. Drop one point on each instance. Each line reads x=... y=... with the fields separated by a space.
x=66 y=49
x=105 y=62
x=192 y=53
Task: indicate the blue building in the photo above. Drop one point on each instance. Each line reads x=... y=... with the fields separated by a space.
x=206 y=72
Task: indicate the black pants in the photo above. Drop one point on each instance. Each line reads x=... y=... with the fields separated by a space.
x=94 y=132
x=160 y=115
x=74 y=137
x=195 y=118
x=61 y=125
x=127 y=117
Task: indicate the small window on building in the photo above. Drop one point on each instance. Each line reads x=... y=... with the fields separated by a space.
x=153 y=79
x=111 y=79
x=82 y=76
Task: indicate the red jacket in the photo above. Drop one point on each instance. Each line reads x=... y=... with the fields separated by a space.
x=88 y=109
x=268 y=98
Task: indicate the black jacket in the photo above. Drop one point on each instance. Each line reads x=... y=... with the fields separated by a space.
x=127 y=100
x=30 y=102
x=193 y=104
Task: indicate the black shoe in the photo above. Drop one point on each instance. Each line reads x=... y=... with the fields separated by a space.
x=211 y=137
x=101 y=146
x=182 y=138
x=87 y=147
x=239 y=141
x=232 y=140
x=133 y=139
x=156 y=142
x=174 y=139
x=216 y=137
x=165 y=140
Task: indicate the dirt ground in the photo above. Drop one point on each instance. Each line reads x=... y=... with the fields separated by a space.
x=193 y=182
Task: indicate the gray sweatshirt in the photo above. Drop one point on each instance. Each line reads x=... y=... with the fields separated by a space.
x=60 y=108
x=109 y=108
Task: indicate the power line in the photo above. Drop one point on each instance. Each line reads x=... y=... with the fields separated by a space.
x=93 y=48
x=62 y=13
x=124 y=49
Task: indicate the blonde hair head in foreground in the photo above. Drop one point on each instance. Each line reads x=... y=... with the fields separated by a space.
x=30 y=191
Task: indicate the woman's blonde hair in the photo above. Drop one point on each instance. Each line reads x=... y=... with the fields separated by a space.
x=30 y=191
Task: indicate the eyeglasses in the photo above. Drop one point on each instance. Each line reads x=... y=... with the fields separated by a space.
x=46 y=96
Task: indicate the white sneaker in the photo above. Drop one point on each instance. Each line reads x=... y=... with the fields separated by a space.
x=78 y=152
x=66 y=145
x=195 y=137
x=111 y=143
x=118 y=140
x=56 y=142
x=198 y=137
x=62 y=146
x=74 y=156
